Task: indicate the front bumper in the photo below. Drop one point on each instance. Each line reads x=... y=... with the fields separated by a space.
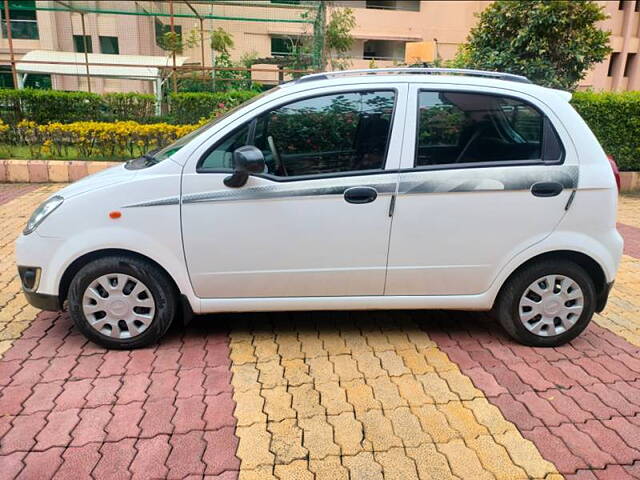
x=43 y=301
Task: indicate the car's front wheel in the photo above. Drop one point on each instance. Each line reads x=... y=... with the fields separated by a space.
x=547 y=304
x=121 y=302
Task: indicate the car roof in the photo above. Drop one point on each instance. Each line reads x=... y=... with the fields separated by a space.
x=435 y=76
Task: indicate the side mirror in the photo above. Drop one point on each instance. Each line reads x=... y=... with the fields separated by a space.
x=246 y=160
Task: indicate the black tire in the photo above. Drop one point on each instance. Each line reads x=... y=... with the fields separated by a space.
x=157 y=282
x=507 y=304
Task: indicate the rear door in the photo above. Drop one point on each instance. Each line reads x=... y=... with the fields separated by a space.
x=484 y=176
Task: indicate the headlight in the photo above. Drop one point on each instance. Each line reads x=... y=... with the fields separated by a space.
x=42 y=212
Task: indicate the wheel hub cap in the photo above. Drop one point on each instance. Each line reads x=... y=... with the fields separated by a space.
x=551 y=305
x=118 y=305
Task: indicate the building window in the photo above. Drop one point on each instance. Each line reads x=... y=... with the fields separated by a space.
x=109 y=45
x=287 y=2
x=383 y=50
x=161 y=29
x=24 y=25
x=284 y=46
x=613 y=63
x=630 y=65
x=621 y=5
x=6 y=77
x=79 y=42
x=637 y=8
x=406 y=5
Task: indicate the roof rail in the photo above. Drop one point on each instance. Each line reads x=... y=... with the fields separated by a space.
x=416 y=70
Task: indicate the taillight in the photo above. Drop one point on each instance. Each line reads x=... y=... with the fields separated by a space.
x=616 y=170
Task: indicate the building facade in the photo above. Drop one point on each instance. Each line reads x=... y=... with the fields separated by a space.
x=268 y=28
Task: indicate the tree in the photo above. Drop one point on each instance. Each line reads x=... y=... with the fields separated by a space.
x=552 y=42
x=338 y=39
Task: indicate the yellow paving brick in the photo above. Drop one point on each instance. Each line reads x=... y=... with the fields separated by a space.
x=286 y=441
x=378 y=341
x=461 y=384
x=259 y=473
x=438 y=359
x=298 y=470
x=321 y=369
x=296 y=372
x=369 y=364
x=463 y=461
x=333 y=343
x=311 y=345
x=396 y=465
x=489 y=415
x=253 y=446
x=495 y=458
x=345 y=367
x=242 y=353
x=356 y=342
x=462 y=420
x=524 y=454
x=407 y=427
x=329 y=468
x=271 y=374
x=412 y=390
x=249 y=406
x=430 y=463
x=435 y=423
x=363 y=467
x=360 y=395
x=289 y=348
x=306 y=401
x=266 y=349
x=277 y=403
x=378 y=431
x=347 y=432
x=415 y=361
x=333 y=398
x=318 y=437
x=436 y=388
x=399 y=339
x=392 y=363
x=245 y=377
x=387 y=393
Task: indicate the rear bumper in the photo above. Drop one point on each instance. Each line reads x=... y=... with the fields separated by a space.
x=601 y=301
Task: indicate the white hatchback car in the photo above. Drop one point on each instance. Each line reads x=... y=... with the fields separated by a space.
x=383 y=189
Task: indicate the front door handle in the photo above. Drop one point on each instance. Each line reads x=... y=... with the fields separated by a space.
x=360 y=194
x=546 y=189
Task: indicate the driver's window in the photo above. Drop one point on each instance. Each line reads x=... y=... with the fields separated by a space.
x=327 y=134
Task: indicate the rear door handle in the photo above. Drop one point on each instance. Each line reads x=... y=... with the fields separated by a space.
x=546 y=189
x=360 y=194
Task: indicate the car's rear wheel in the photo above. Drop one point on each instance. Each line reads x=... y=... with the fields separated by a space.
x=121 y=302
x=547 y=304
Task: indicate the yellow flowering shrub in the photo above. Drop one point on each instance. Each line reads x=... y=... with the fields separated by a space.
x=98 y=139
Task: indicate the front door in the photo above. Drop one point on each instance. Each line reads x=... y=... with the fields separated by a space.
x=316 y=223
x=486 y=178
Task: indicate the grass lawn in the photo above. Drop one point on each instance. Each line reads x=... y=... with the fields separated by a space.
x=23 y=153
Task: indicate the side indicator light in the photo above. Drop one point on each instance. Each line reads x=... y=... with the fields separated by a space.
x=115 y=215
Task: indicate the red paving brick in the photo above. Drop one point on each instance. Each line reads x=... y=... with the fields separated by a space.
x=631 y=236
x=71 y=409
x=577 y=403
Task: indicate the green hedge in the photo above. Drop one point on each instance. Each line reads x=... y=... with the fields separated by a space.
x=615 y=119
x=190 y=107
x=44 y=106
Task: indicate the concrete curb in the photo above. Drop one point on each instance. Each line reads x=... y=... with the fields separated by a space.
x=48 y=171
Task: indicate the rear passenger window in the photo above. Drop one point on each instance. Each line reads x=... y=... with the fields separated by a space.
x=456 y=128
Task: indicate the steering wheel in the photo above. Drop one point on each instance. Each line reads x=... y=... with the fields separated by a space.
x=280 y=168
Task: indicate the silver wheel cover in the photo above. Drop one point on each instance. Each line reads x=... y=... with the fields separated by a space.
x=118 y=306
x=551 y=305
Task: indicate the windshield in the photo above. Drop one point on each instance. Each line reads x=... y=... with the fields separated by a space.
x=169 y=150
